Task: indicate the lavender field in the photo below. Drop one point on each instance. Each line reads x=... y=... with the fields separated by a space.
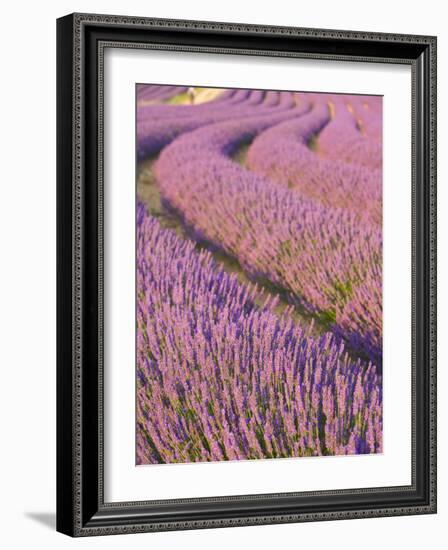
x=259 y=274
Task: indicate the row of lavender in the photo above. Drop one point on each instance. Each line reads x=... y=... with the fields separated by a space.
x=301 y=216
x=325 y=257
x=156 y=94
x=222 y=378
x=283 y=155
x=158 y=125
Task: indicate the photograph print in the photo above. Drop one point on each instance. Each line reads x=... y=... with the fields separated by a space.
x=258 y=274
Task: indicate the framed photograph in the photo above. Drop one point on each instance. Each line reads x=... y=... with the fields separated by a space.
x=246 y=274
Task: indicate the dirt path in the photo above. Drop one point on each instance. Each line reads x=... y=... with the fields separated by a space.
x=240 y=155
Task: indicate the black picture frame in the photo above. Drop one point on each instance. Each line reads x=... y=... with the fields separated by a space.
x=81 y=39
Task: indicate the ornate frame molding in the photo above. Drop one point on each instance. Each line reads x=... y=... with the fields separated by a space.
x=73 y=517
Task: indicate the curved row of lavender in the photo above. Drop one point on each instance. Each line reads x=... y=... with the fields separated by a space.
x=344 y=139
x=222 y=378
x=221 y=373
x=283 y=154
x=368 y=114
x=159 y=125
x=157 y=93
x=319 y=255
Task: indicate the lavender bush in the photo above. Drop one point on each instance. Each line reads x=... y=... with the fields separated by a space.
x=259 y=316
x=157 y=93
x=319 y=255
x=282 y=153
x=342 y=138
x=222 y=378
x=156 y=128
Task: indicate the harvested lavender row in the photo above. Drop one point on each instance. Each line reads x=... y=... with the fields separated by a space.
x=368 y=112
x=319 y=255
x=153 y=136
x=283 y=155
x=342 y=140
x=220 y=378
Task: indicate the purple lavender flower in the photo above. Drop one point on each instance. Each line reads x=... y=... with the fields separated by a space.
x=220 y=376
